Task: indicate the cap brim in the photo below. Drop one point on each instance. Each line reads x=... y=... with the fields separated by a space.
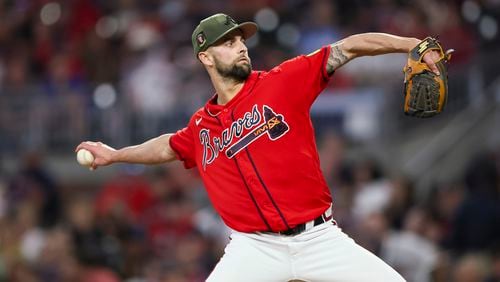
x=247 y=28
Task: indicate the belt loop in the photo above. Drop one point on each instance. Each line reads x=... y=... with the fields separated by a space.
x=309 y=224
x=328 y=212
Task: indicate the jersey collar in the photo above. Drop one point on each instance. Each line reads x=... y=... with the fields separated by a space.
x=213 y=109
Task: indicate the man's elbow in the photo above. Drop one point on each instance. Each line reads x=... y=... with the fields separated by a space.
x=165 y=153
x=168 y=155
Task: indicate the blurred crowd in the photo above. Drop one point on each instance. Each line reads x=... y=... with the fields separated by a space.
x=156 y=224
x=136 y=226
x=68 y=67
x=451 y=233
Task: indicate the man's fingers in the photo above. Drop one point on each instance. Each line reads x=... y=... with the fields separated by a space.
x=434 y=68
x=80 y=146
x=430 y=59
x=88 y=145
x=94 y=165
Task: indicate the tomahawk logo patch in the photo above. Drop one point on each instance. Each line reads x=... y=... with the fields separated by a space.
x=274 y=126
x=267 y=123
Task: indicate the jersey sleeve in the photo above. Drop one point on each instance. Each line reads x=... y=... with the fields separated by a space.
x=182 y=143
x=308 y=73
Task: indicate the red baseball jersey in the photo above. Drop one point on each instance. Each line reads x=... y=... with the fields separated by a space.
x=257 y=154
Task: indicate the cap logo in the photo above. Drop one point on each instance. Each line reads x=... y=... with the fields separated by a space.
x=229 y=20
x=201 y=39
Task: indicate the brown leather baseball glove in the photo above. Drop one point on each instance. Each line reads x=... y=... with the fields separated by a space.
x=426 y=92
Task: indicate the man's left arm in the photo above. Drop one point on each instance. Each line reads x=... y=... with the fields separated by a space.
x=372 y=44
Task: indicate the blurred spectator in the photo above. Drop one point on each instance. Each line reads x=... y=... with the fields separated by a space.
x=495 y=261
x=126 y=197
x=407 y=21
x=17 y=90
x=3 y=198
x=444 y=21
x=409 y=252
x=151 y=87
x=444 y=202
x=319 y=27
x=333 y=159
x=56 y=261
x=167 y=221
x=470 y=268
x=372 y=189
x=36 y=186
x=371 y=194
x=93 y=247
x=400 y=201
x=475 y=224
x=66 y=90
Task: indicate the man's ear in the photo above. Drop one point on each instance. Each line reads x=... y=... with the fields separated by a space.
x=205 y=58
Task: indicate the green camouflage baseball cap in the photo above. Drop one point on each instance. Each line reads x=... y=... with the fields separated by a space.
x=215 y=27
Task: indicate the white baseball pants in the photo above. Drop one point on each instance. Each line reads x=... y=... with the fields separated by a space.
x=323 y=253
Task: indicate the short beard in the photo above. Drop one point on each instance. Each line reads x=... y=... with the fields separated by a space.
x=238 y=73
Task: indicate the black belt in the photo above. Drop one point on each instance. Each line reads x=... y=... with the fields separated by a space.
x=303 y=226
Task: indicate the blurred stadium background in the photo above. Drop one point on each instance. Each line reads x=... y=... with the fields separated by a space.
x=422 y=194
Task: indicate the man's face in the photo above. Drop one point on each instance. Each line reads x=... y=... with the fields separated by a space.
x=230 y=56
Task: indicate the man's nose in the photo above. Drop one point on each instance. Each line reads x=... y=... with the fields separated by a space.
x=243 y=48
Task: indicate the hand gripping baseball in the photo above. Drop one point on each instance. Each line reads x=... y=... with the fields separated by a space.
x=102 y=153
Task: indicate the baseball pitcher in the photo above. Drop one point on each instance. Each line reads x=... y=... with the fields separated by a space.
x=253 y=145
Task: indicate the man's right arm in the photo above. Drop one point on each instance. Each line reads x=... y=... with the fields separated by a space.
x=153 y=151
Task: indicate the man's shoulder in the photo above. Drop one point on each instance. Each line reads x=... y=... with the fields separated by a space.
x=295 y=62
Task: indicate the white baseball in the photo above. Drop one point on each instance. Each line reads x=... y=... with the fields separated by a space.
x=84 y=157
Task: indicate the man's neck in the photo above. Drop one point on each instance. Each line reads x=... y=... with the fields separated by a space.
x=226 y=89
